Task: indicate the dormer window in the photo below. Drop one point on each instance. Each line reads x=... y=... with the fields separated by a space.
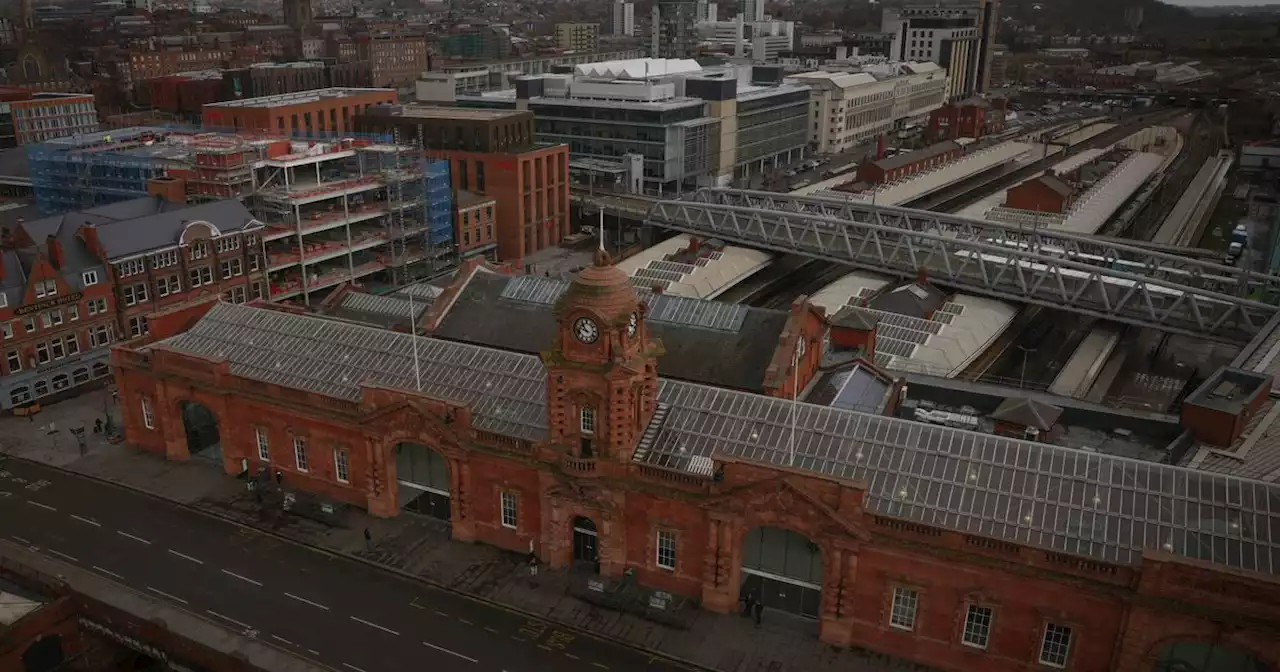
x=587 y=421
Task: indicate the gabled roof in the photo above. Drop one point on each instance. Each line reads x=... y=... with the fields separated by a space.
x=851 y=317
x=695 y=333
x=163 y=228
x=1057 y=184
x=1028 y=412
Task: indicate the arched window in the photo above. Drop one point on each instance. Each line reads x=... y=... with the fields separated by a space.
x=20 y=395
x=100 y=370
x=80 y=376
x=42 y=388
x=61 y=382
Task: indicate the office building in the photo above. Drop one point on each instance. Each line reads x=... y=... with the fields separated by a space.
x=491 y=153
x=954 y=35
x=623 y=16
x=29 y=117
x=272 y=79
x=751 y=10
x=319 y=113
x=674 y=30
x=443 y=84
x=477 y=43
x=852 y=107
x=578 y=36
x=663 y=125
x=762 y=41
x=298 y=14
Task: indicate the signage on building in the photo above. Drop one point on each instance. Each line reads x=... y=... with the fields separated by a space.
x=134 y=644
x=48 y=303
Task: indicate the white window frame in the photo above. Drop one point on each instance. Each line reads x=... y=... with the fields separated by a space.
x=508 y=513
x=4 y=300
x=148 y=418
x=264 y=444
x=667 y=545
x=300 y=454
x=977 y=626
x=73 y=312
x=14 y=358
x=89 y=278
x=587 y=420
x=342 y=465
x=902 y=611
x=6 y=330
x=1059 y=638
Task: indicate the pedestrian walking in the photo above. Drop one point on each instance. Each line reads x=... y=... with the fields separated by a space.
x=97 y=425
x=279 y=477
x=759 y=611
x=368 y=539
x=748 y=602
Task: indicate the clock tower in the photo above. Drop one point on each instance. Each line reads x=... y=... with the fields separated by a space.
x=602 y=371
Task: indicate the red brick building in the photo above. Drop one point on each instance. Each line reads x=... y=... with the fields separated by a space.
x=970 y=118
x=185 y=95
x=1047 y=193
x=955 y=550
x=475 y=221
x=493 y=153
x=909 y=163
x=72 y=284
x=323 y=112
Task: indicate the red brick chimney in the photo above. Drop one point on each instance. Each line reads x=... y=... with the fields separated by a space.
x=89 y=235
x=171 y=189
x=54 y=247
x=922 y=275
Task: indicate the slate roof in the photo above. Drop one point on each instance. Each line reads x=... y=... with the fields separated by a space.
x=696 y=334
x=909 y=158
x=852 y=317
x=1057 y=184
x=1061 y=499
x=143 y=224
x=1027 y=412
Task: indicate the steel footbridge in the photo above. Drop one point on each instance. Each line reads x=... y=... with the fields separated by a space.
x=1023 y=264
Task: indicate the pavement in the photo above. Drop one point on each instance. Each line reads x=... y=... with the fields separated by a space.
x=193 y=536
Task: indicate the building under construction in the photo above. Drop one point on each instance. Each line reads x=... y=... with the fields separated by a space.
x=357 y=208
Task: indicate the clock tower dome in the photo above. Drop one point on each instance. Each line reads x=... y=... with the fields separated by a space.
x=602 y=371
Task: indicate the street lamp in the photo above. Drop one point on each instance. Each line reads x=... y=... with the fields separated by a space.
x=1022 y=381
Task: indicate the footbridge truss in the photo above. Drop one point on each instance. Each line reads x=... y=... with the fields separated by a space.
x=1078 y=273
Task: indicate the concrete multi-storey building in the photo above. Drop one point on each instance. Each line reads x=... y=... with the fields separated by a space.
x=959 y=35
x=952 y=549
x=623 y=18
x=578 y=36
x=492 y=153
x=450 y=79
x=477 y=42
x=271 y=79
x=41 y=116
x=323 y=112
x=666 y=124
x=852 y=107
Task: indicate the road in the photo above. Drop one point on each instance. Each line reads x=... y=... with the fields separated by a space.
x=336 y=611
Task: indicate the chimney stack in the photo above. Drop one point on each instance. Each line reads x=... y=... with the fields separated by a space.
x=89 y=235
x=54 y=247
x=171 y=189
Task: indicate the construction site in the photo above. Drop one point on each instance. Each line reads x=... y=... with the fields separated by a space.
x=357 y=208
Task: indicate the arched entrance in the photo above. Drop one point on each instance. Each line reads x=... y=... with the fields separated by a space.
x=201 y=427
x=1205 y=657
x=783 y=570
x=586 y=545
x=423 y=475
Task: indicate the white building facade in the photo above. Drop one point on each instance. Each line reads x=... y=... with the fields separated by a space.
x=849 y=108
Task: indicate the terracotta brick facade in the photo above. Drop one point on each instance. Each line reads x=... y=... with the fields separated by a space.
x=306 y=113
x=602 y=387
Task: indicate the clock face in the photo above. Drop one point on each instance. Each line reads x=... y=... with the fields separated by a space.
x=585 y=330
x=632 y=323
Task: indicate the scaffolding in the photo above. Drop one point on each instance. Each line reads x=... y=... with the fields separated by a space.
x=348 y=208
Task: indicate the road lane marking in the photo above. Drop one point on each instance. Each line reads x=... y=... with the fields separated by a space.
x=86 y=520
x=313 y=652
x=601 y=666
x=21 y=540
x=452 y=653
x=228 y=619
x=440 y=613
x=184 y=556
x=43 y=506
x=281 y=639
x=306 y=601
x=463 y=620
x=357 y=619
x=108 y=572
x=352 y=667
x=570 y=655
x=493 y=630
x=242 y=578
x=60 y=554
x=161 y=593
x=133 y=537
x=544 y=646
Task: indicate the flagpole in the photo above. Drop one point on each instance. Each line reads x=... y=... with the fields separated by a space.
x=795 y=404
x=413 y=334
x=602 y=229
